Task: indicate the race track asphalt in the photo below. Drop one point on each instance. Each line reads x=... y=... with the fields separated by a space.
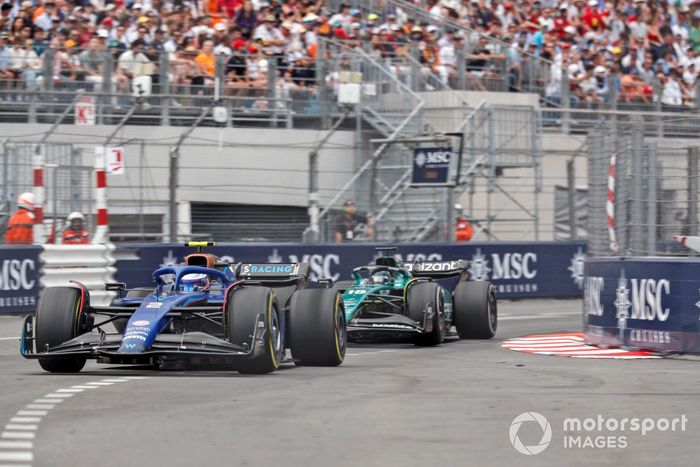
x=387 y=405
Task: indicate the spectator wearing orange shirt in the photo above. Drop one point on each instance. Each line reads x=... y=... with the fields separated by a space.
x=206 y=65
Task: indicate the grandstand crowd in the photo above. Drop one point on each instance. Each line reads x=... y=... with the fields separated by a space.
x=626 y=46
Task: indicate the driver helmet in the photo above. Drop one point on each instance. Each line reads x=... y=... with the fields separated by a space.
x=381 y=277
x=194 y=282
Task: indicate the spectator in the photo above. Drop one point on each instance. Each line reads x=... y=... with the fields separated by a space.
x=132 y=63
x=75 y=233
x=91 y=61
x=350 y=224
x=206 y=65
x=21 y=224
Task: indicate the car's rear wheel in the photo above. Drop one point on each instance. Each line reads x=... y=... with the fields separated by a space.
x=317 y=327
x=475 y=310
x=422 y=297
x=243 y=307
x=59 y=318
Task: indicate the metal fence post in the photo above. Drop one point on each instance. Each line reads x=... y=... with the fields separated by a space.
x=571 y=188
x=691 y=227
x=651 y=200
x=164 y=79
x=461 y=70
x=657 y=91
x=272 y=89
x=637 y=220
x=108 y=87
x=323 y=104
x=416 y=81
x=565 y=102
x=48 y=69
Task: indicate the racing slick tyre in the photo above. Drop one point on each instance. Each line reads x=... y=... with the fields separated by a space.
x=418 y=298
x=139 y=292
x=59 y=318
x=242 y=310
x=475 y=310
x=317 y=328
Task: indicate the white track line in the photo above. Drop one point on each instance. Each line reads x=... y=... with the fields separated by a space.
x=47 y=401
x=21 y=429
x=16 y=456
x=40 y=406
x=8 y=338
x=25 y=420
x=16 y=445
x=17 y=435
x=13 y=426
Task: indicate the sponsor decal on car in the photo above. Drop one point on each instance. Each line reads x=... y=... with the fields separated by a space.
x=391 y=326
x=154 y=305
x=142 y=322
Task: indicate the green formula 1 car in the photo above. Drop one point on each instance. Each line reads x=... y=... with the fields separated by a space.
x=391 y=298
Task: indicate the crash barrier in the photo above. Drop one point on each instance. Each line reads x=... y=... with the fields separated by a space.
x=519 y=270
x=91 y=265
x=648 y=303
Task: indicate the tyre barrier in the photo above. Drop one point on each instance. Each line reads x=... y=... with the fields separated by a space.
x=91 y=265
x=649 y=303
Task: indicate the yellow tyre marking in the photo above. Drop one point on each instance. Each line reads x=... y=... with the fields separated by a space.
x=275 y=364
x=335 y=328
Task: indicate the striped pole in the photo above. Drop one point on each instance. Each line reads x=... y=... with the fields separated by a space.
x=38 y=162
x=610 y=205
x=100 y=196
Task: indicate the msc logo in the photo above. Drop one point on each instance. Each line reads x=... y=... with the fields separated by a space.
x=647 y=299
x=432 y=157
x=14 y=274
x=507 y=266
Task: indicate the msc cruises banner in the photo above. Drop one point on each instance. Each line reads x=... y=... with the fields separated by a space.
x=518 y=270
x=19 y=278
x=643 y=303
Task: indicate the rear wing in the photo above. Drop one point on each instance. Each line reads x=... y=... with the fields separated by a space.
x=272 y=272
x=437 y=269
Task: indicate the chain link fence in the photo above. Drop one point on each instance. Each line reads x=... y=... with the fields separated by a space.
x=647 y=194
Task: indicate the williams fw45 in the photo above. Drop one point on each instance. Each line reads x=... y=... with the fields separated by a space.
x=242 y=316
x=395 y=299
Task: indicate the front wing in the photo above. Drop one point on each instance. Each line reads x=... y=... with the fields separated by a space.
x=105 y=346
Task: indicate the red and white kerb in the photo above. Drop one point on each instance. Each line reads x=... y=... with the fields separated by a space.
x=100 y=197
x=38 y=163
x=610 y=204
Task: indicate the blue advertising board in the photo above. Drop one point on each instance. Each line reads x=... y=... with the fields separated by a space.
x=19 y=278
x=431 y=166
x=643 y=303
x=518 y=270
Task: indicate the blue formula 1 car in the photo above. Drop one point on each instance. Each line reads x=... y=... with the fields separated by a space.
x=243 y=316
x=394 y=299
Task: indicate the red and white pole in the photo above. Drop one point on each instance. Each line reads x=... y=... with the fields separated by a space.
x=100 y=197
x=610 y=205
x=38 y=163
